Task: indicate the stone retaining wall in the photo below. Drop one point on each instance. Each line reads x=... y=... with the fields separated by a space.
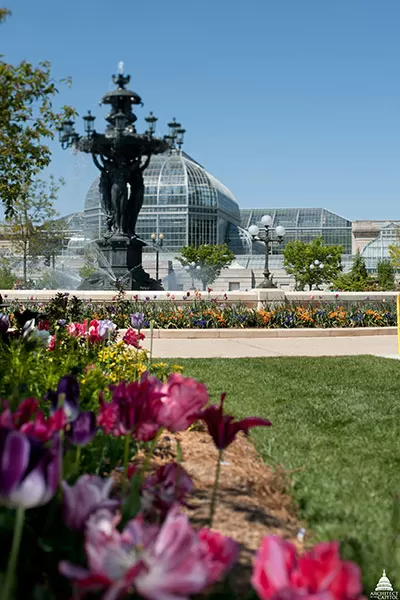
x=266 y=333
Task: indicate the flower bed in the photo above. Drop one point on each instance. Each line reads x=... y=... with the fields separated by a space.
x=72 y=530
x=197 y=313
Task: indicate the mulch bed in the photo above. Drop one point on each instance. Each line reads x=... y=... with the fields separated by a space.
x=253 y=499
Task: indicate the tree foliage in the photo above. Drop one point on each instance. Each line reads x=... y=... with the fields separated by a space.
x=210 y=258
x=31 y=228
x=394 y=252
x=357 y=280
x=27 y=123
x=385 y=272
x=7 y=277
x=303 y=260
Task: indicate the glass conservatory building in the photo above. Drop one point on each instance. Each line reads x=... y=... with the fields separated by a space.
x=182 y=200
x=191 y=207
x=303 y=224
x=378 y=249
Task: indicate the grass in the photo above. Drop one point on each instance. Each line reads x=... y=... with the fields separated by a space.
x=336 y=420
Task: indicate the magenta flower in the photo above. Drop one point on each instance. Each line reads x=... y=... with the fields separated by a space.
x=219 y=554
x=25 y=411
x=41 y=428
x=183 y=398
x=133 y=409
x=319 y=573
x=87 y=496
x=44 y=428
x=77 y=330
x=169 y=484
x=131 y=338
x=223 y=428
x=158 y=563
x=174 y=569
x=29 y=472
x=108 y=418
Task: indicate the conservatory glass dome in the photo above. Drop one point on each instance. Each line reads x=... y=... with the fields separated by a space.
x=182 y=200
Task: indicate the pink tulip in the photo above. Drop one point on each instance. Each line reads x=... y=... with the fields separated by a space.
x=319 y=573
x=41 y=428
x=158 y=563
x=174 y=568
x=133 y=409
x=219 y=553
x=183 y=399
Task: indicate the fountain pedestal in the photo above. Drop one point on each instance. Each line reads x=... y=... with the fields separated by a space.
x=125 y=258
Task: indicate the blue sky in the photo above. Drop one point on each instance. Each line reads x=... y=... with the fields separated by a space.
x=287 y=102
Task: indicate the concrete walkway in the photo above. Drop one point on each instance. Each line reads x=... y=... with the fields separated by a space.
x=378 y=345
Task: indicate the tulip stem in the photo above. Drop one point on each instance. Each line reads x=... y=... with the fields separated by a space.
x=178 y=460
x=215 y=488
x=78 y=456
x=151 y=344
x=126 y=461
x=13 y=560
x=149 y=455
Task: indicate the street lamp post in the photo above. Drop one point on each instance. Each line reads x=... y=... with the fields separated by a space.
x=265 y=235
x=316 y=267
x=157 y=245
x=193 y=268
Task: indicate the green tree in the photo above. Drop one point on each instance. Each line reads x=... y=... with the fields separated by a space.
x=4 y=12
x=385 y=272
x=394 y=252
x=312 y=263
x=357 y=280
x=7 y=277
x=32 y=221
x=210 y=258
x=27 y=122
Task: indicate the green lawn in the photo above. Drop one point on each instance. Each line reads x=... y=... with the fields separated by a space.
x=338 y=419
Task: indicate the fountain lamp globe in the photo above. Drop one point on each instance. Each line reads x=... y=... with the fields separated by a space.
x=253 y=230
x=280 y=231
x=266 y=220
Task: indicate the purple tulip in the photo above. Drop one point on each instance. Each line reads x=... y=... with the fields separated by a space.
x=137 y=320
x=4 y=323
x=89 y=495
x=83 y=429
x=68 y=389
x=106 y=328
x=29 y=472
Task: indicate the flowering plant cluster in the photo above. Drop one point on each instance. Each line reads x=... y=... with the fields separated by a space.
x=134 y=541
x=80 y=517
x=195 y=312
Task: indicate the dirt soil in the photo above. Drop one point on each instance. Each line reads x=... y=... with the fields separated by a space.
x=253 y=499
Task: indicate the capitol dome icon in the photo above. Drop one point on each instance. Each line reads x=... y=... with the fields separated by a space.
x=384 y=584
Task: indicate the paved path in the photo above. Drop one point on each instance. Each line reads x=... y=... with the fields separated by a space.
x=382 y=345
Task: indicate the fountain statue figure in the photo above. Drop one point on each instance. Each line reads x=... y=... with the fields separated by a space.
x=122 y=193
